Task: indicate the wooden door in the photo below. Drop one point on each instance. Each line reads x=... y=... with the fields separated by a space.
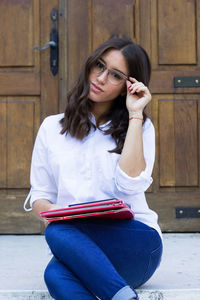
x=169 y=31
x=175 y=49
x=28 y=92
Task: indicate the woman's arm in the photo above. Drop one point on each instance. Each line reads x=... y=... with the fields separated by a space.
x=132 y=160
x=43 y=205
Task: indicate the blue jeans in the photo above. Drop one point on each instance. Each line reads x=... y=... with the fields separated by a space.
x=99 y=257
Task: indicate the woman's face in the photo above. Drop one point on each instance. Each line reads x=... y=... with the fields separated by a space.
x=102 y=90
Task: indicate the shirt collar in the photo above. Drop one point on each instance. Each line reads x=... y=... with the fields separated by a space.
x=92 y=119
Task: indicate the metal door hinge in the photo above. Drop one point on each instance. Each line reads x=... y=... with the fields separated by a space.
x=187 y=81
x=187 y=212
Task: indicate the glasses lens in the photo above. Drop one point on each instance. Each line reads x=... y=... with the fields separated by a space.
x=98 y=67
x=115 y=77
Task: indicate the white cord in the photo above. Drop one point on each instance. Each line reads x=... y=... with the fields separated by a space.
x=26 y=201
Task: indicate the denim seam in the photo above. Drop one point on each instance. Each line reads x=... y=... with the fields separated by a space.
x=160 y=246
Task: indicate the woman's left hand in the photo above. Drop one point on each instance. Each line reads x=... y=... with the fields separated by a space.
x=138 y=96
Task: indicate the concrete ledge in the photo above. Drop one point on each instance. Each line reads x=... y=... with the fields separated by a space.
x=181 y=294
x=192 y=294
x=24 y=295
x=23 y=260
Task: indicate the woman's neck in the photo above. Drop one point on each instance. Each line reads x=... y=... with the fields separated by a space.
x=99 y=109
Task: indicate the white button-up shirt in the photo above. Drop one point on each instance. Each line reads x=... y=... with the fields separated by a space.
x=65 y=170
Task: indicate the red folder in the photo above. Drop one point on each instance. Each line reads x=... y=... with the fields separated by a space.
x=111 y=208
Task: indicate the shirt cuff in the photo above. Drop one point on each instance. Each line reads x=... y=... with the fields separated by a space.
x=130 y=185
x=37 y=194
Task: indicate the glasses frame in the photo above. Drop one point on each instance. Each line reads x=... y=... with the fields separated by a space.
x=109 y=71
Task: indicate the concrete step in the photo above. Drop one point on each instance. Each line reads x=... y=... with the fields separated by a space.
x=23 y=260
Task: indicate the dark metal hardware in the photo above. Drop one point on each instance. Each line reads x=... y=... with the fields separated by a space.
x=49 y=44
x=187 y=81
x=187 y=212
x=54 y=52
x=53 y=43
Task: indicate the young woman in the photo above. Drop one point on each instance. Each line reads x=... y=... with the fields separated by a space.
x=102 y=147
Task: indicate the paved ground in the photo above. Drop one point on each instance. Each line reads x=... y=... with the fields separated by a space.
x=23 y=259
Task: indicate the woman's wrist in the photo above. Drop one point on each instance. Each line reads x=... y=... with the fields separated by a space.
x=136 y=115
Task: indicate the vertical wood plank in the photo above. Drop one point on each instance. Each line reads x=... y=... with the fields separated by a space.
x=63 y=54
x=20 y=134
x=166 y=143
x=112 y=18
x=186 y=139
x=78 y=37
x=3 y=150
x=49 y=83
x=154 y=32
x=198 y=146
x=16 y=33
x=176 y=23
x=145 y=27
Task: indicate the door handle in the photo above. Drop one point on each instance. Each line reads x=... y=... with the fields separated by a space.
x=52 y=44
x=49 y=44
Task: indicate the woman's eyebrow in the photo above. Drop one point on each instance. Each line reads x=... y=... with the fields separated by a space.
x=101 y=59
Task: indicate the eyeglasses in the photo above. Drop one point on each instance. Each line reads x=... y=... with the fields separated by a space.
x=114 y=77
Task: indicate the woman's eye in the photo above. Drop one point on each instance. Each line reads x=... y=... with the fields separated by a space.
x=116 y=76
x=100 y=65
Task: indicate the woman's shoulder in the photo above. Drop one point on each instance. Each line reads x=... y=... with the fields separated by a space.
x=52 y=121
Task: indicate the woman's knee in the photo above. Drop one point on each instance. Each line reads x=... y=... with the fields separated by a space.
x=52 y=231
x=49 y=276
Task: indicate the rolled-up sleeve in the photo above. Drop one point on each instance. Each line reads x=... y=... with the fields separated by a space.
x=43 y=185
x=133 y=185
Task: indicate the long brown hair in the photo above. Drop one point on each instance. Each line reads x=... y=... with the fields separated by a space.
x=77 y=121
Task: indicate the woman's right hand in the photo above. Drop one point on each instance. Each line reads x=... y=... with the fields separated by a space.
x=43 y=205
x=52 y=207
x=55 y=206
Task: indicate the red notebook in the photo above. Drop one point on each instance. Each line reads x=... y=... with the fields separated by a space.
x=111 y=208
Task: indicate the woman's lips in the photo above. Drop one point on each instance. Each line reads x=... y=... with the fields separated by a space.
x=95 y=88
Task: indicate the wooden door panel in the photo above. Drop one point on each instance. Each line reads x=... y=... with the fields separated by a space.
x=178 y=142
x=113 y=18
x=166 y=143
x=20 y=23
x=22 y=122
x=19 y=62
x=3 y=142
x=19 y=83
x=17 y=38
x=186 y=142
x=176 y=32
